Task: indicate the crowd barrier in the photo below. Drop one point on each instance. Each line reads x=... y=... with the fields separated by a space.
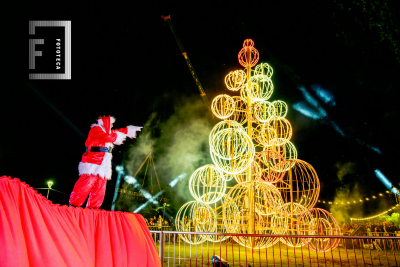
x=349 y=251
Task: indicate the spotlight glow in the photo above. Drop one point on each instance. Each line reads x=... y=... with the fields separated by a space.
x=377 y=150
x=130 y=180
x=336 y=127
x=303 y=109
x=153 y=199
x=310 y=99
x=177 y=179
x=386 y=181
x=324 y=94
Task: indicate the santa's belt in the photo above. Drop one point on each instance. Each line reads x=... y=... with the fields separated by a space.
x=99 y=149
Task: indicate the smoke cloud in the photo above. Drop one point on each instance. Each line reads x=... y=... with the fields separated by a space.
x=143 y=146
x=344 y=168
x=343 y=212
x=179 y=145
x=184 y=144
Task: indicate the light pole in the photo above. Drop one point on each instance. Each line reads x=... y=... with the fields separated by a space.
x=49 y=184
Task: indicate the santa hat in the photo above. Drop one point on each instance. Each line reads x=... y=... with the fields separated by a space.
x=106 y=123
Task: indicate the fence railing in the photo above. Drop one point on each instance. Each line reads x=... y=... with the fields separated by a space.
x=349 y=251
x=161 y=228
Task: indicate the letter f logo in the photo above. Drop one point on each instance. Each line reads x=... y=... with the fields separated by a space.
x=33 y=53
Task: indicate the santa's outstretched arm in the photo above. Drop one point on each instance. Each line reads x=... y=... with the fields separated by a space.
x=130 y=130
x=115 y=137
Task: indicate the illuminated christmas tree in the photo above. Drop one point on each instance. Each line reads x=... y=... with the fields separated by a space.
x=275 y=192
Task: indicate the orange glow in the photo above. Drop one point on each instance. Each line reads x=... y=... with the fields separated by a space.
x=248 y=56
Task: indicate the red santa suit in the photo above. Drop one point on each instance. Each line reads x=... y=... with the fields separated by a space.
x=95 y=166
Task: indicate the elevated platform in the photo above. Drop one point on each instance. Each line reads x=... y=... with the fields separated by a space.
x=35 y=232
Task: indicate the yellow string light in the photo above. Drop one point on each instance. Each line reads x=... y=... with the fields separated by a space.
x=360 y=200
x=375 y=216
x=254 y=113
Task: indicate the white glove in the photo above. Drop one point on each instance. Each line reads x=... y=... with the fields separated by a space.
x=132 y=130
x=120 y=138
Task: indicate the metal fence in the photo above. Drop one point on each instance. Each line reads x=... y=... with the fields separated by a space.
x=161 y=228
x=350 y=251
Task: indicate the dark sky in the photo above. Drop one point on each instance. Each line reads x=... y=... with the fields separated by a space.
x=126 y=63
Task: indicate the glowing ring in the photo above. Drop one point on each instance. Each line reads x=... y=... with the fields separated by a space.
x=248 y=42
x=264 y=69
x=227 y=144
x=269 y=166
x=236 y=213
x=265 y=136
x=235 y=80
x=319 y=222
x=292 y=226
x=280 y=108
x=282 y=127
x=207 y=184
x=239 y=114
x=267 y=110
x=300 y=185
x=223 y=106
x=259 y=88
x=248 y=56
x=195 y=216
x=244 y=176
x=288 y=152
x=254 y=113
x=232 y=151
x=220 y=226
x=223 y=125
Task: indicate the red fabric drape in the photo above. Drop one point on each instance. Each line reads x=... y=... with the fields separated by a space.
x=35 y=232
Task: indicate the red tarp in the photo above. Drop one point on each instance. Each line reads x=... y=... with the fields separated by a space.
x=35 y=232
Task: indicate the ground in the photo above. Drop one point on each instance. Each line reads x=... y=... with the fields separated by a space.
x=183 y=254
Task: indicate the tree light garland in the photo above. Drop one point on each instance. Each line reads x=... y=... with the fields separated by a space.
x=274 y=190
x=375 y=216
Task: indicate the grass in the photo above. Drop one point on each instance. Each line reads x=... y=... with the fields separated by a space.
x=183 y=254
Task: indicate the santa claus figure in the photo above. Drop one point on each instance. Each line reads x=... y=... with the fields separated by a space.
x=95 y=167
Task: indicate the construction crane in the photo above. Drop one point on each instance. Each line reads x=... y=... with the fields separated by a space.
x=184 y=54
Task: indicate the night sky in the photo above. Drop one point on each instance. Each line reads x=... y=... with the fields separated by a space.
x=126 y=63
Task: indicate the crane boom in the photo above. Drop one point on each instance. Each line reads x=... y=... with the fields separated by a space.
x=184 y=54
